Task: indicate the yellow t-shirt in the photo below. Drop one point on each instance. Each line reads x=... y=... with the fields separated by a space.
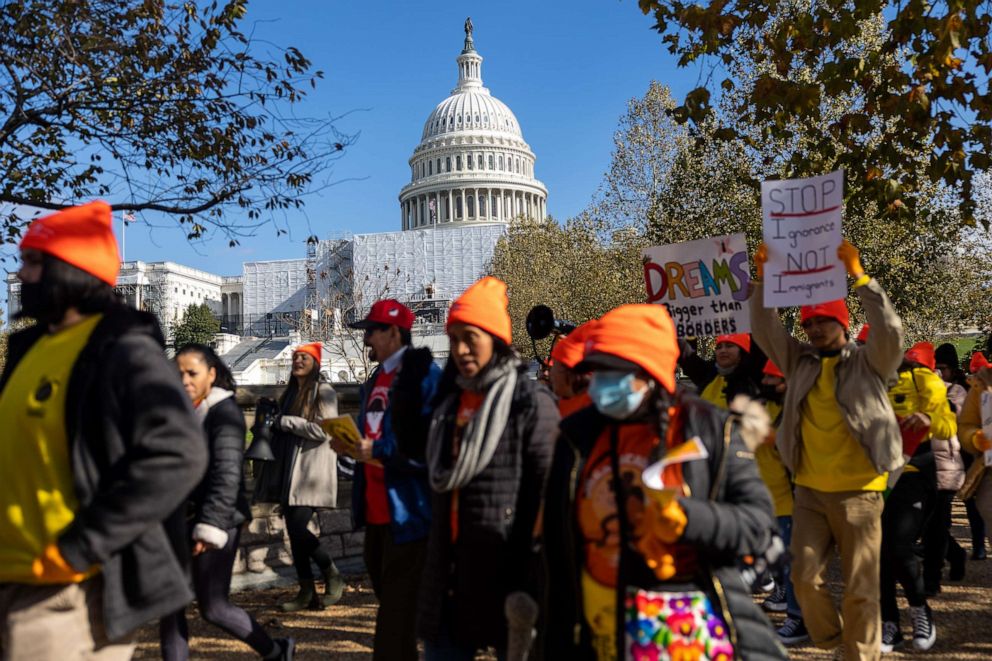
x=37 y=494
x=713 y=393
x=830 y=458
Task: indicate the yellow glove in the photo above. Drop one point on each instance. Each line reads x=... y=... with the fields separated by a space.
x=657 y=556
x=760 y=257
x=51 y=567
x=851 y=257
x=981 y=442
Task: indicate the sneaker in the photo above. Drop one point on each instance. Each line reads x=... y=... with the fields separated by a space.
x=891 y=637
x=775 y=603
x=924 y=630
x=793 y=631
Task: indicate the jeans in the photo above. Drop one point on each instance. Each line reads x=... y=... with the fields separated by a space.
x=791 y=603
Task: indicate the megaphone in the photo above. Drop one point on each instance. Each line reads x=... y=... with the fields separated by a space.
x=261 y=445
x=541 y=323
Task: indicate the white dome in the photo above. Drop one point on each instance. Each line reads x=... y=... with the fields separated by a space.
x=471 y=111
x=472 y=164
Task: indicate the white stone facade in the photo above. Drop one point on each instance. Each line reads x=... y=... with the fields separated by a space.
x=472 y=164
x=163 y=288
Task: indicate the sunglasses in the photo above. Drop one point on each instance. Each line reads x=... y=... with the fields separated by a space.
x=372 y=329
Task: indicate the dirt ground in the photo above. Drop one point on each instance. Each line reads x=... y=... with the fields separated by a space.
x=962 y=614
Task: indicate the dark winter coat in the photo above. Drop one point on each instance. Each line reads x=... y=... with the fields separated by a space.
x=221 y=499
x=467 y=582
x=744 y=380
x=401 y=447
x=737 y=522
x=136 y=451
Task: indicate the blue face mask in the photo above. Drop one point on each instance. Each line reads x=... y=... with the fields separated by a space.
x=613 y=394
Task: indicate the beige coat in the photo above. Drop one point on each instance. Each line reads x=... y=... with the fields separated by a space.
x=314 y=481
x=970 y=418
x=863 y=374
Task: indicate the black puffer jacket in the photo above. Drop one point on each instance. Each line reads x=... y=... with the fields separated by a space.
x=468 y=581
x=137 y=451
x=736 y=523
x=221 y=499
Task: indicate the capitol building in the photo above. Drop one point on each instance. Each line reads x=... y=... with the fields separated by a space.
x=472 y=164
x=471 y=174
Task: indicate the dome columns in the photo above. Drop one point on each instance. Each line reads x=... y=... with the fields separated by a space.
x=471 y=204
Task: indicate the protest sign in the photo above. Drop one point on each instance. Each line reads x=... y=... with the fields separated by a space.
x=702 y=283
x=802 y=230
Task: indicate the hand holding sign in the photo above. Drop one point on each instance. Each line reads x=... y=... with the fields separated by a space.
x=851 y=257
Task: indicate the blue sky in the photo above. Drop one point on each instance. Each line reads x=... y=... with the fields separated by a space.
x=565 y=69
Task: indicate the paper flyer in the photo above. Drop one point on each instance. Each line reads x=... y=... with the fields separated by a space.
x=689 y=451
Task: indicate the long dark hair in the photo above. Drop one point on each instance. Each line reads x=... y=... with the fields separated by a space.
x=224 y=378
x=302 y=401
x=63 y=286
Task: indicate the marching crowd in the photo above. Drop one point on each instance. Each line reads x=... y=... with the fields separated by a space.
x=603 y=511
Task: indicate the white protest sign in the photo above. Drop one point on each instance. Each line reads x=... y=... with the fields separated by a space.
x=987 y=422
x=702 y=283
x=802 y=229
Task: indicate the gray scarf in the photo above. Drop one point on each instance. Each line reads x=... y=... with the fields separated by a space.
x=481 y=435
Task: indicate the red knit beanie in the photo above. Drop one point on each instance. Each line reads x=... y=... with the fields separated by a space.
x=742 y=340
x=836 y=310
x=82 y=236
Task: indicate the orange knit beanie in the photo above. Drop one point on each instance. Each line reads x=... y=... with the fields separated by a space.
x=484 y=305
x=641 y=334
x=82 y=236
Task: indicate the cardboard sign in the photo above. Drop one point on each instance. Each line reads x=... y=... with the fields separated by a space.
x=702 y=283
x=802 y=229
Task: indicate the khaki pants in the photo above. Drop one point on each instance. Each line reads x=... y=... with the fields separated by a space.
x=56 y=623
x=853 y=521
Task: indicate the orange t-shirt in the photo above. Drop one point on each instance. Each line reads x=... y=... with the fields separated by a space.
x=569 y=405
x=468 y=404
x=599 y=523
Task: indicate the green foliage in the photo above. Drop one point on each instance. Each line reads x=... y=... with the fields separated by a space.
x=157 y=106
x=198 y=325
x=670 y=182
x=915 y=108
x=579 y=269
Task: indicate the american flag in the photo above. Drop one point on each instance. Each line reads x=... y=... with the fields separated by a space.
x=128 y=217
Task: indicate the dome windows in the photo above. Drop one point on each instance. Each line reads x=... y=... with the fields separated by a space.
x=491 y=162
x=447 y=164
